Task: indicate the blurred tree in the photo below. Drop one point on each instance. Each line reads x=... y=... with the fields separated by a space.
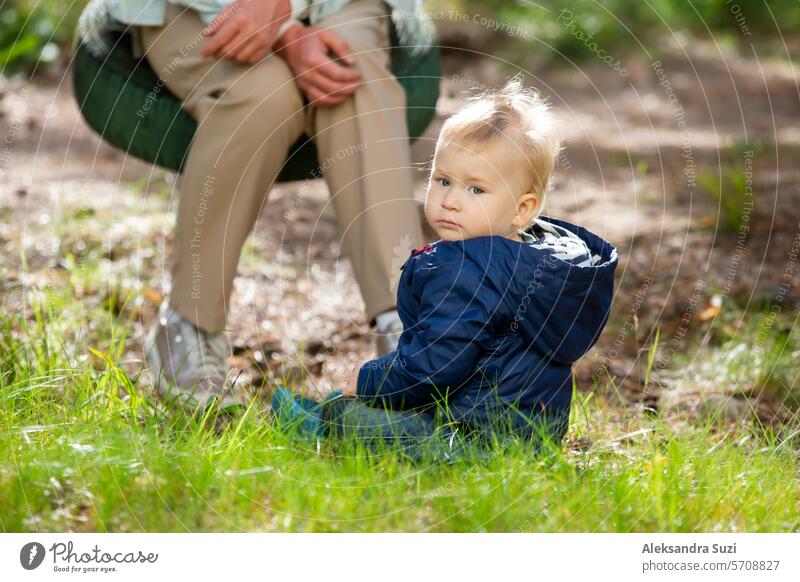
x=616 y=23
x=33 y=32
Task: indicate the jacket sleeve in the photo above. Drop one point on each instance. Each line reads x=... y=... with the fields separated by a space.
x=438 y=353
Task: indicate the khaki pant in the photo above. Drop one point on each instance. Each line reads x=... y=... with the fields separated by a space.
x=248 y=117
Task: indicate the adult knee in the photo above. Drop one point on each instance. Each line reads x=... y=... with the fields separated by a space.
x=269 y=103
x=371 y=55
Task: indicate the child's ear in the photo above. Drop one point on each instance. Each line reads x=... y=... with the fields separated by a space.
x=527 y=205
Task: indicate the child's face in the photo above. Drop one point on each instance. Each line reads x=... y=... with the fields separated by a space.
x=478 y=190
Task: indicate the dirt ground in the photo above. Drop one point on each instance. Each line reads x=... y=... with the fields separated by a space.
x=626 y=174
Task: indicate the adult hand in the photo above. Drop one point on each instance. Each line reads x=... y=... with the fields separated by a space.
x=245 y=31
x=324 y=79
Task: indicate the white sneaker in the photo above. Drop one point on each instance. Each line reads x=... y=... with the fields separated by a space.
x=388 y=329
x=190 y=365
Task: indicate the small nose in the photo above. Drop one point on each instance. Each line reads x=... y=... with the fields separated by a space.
x=451 y=200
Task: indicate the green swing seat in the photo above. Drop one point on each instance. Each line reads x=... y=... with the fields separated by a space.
x=122 y=99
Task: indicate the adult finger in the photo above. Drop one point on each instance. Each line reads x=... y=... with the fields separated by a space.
x=312 y=93
x=317 y=97
x=257 y=57
x=337 y=72
x=252 y=53
x=220 y=39
x=329 y=86
x=321 y=97
x=338 y=45
x=241 y=46
x=238 y=43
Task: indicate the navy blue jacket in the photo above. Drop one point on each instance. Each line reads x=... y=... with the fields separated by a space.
x=492 y=327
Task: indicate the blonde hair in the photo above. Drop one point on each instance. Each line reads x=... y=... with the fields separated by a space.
x=486 y=117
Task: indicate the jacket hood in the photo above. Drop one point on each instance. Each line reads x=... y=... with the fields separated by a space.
x=560 y=301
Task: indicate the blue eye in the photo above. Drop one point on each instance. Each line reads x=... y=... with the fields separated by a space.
x=476 y=190
x=443 y=182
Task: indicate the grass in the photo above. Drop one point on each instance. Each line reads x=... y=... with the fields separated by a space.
x=731 y=192
x=731 y=184
x=753 y=353
x=85 y=449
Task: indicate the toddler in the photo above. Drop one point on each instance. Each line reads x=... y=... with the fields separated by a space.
x=495 y=312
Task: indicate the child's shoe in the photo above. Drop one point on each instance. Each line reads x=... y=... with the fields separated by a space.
x=299 y=415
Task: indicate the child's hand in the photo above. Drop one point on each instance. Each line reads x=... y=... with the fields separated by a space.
x=317 y=390
x=349 y=389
